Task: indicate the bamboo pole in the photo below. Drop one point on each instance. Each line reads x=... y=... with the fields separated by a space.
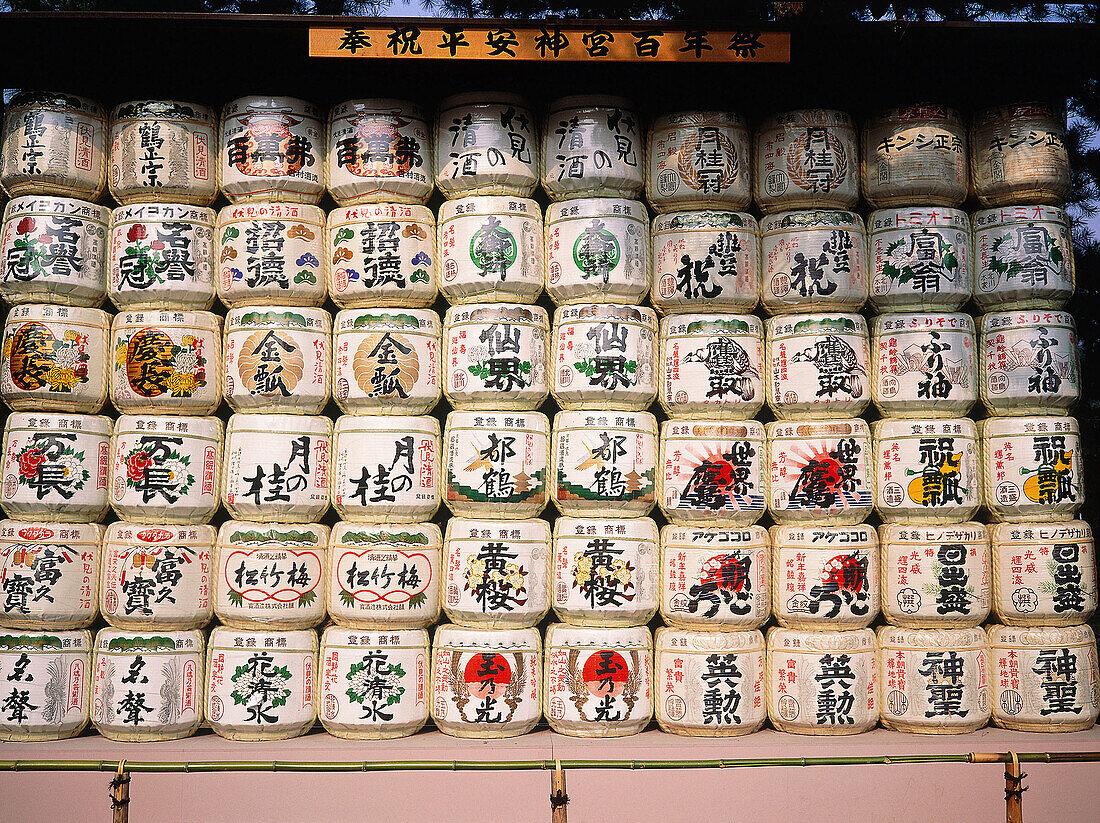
x=1014 y=790
x=558 y=798
x=120 y=795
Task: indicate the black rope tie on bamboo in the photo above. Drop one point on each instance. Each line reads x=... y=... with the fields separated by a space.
x=1013 y=788
x=558 y=798
x=122 y=778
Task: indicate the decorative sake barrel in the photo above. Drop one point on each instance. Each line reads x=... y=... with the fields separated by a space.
x=806 y=159
x=592 y=146
x=486 y=143
x=46 y=680
x=934 y=681
x=54 y=251
x=924 y=365
x=56 y=358
x=698 y=160
x=486 y=683
x=50 y=574
x=1023 y=258
x=705 y=261
x=272 y=253
x=160 y=153
x=915 y=155
x=157 y=577
x=1029 y=362
x=920 y=259
x=491 y=250
x=714 y=578
x=820 y=471
x=709 y=683
x=386 y=361
x=1044 y=678
x=1044 y=574
x=384 y=577
x=166 y=469
x=277 y=359
x=498 y=572
x=935 y=576
x=272 y=148
x=374 y=685
x=606 y=356
x=386 y=469
x=54 y=144
x=261 y=685
x=496 y=464
x=819 y=364
x=56 y=466
x=379 y=151
x=604 y=463
x=1031 y=468
x=382 y=255
x=147 y=687
x=1018 y=155
x=276 y=467
x=597 y=250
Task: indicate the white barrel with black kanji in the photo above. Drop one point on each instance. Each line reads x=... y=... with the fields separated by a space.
x=47 y=678
x=1023 y=258
x=592 y=146
x=1032 y=468
x=921 y=258
x=699 y=159
x=49 y=573
x=1018 y=155
x=819 y=365
x=807 y=158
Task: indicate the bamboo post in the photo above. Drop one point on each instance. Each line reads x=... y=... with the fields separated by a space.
x=558 y=798
x=120 y=795
x=1014 y=790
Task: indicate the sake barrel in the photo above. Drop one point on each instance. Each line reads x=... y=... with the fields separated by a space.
x=272 y=253
x=54 y=144
x=54 y=251
x=56 y=466
x=486 y=683
x=374 y=685
x=498 y=572
x=822 y=682
x=166 y=361
x=147 y=687
x=915 y=155
x=382 y=255
x=712 y=473
x=819 y=364
x=714 y=578
x=277 y=359
x=605 y=356
x=820 y=471
x=496 y=464
x=48 y=676
x=605 y=571
x=1044 y=574
x=1018 y=155
x=708 y=683
x=383 y=576
x=486 y=143
x=386 y=469
x=1044 y=678
x=604 y=463
x=597 y=250
x=705 y=261
x=699 y=159
x=491 y=249
x=56 y=358
x=1031 y=468
x=592 y=146
x=1023 y=258
x=166 y=469
x=920 y=259
x=160 y=152
x=935 y=576
x=386 y=361
x=270 y=576
x=807 y=158
x=711 y=366
x=261 y=685
x=276 y=467
x=157 y=577
x=1029 y=362
x=923 y=365
x=934 y=681
x=813 y=261
x=379 y=150
x=49 y=574
x=272 y=148
x=496 y=356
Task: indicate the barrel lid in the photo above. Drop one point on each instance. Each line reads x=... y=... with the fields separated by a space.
x=371 y=423
x=577 y=419
x=1024 y=319
x=225 y=638
x=46 y=421
x=901 y=322
x=1040 y=532
x=688 y=640
x=299 y=317
x=457 y=637
x=209 y=427
x=63 y=315
x=589 y=101
x=706 y=325
x=271 y=104
x=803 y=429
x=336 y=636
x=121 y=641
x=73 y=534
x=56 y=100
x=479 y=205
x=858 y=640
x=1013 y=426
x=383 y=105
x=162 y=110
x=920 y=533
x=533 y=421
x=482 y=98
x=678 y=119
x=920 y=639
x=705 y=219
x=155 y=535
x=154 y=212
x=368 y=320
x=714 y=538
x=463 y=528
x=822 y=536
x=891 y=428
x=497 y=313
x=723 y=430
x=633 y=528
x=205 y=320
x=584 y=208
x=602 y=637
x=368 y=212
x=799 y=118
x=279 y=424
x=252 y=210
x=419 y=536
x=787 y=221
x=12 y=640
x=255 y=534
x=1010 y=636
x=30 y=204
x=603 y=312
x=818 y=323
